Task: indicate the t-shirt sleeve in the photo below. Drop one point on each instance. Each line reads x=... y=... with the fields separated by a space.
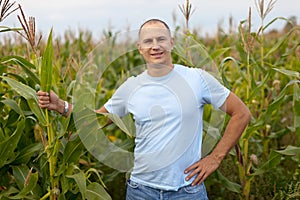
x=117 y=104
x=215 y=93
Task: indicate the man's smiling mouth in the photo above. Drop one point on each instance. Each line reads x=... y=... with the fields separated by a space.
x=157 y=54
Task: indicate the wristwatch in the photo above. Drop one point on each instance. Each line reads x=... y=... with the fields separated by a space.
x=66 y=108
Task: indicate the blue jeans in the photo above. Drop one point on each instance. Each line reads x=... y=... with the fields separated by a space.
x=137 y=191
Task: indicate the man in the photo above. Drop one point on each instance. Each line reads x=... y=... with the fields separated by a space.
x=166 y=102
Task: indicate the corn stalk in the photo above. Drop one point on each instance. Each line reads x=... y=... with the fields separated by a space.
x=52 y=143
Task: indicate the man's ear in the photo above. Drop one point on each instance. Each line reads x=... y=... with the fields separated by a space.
x=172 y=43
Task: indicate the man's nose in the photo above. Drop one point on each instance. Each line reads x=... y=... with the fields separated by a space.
x=155 y=44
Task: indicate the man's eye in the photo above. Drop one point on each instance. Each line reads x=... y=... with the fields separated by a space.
x=147 y=41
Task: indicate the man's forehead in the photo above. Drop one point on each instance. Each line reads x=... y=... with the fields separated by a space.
x=154 y=30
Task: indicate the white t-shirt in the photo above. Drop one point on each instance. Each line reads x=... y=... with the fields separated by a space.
x=168 y=117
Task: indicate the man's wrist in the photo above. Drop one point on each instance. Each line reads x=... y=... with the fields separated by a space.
x=218 y=157
x=61 y=106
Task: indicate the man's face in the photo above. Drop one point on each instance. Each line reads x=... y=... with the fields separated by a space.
x=155 y=44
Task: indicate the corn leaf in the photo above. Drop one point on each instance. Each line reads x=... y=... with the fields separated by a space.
x=8 y=193
x=124 y=125
x=280 y=98
x=275 y=158
x=8 y=146
x=81 y=182
x=29 y=188
x=27 y=152
x=13 y=105
x=73 y=151
x=96 y=191
x=274 y=20
x=289 y=73
x=296 y=109
x=217 y=53
x=95 y=171
x=20 y=173
x=30 y=95
x=277 y=46
x=290 y=151
x=234 y=187
x=46 y=69
x=6 y=29
x=24 y=64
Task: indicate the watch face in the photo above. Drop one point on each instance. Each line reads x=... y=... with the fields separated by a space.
x=66 y=108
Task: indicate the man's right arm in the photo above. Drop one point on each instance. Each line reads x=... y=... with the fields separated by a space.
x=51 y=101
x=104 y=110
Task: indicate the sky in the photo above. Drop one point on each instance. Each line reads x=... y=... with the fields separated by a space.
x=119 y=15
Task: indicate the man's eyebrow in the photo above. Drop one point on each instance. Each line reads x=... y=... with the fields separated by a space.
x=147 y=39
x=158 y=37
x=161 y=37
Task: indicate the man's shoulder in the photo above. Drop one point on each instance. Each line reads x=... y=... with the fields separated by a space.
x=133 y=80
x=180 y=67
x=189 y=71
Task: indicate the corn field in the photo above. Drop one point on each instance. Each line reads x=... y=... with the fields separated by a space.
x=46 y=156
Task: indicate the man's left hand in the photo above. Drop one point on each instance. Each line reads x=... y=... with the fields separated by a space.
x=202 y=169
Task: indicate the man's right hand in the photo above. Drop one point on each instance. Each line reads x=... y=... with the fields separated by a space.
x=50 y=101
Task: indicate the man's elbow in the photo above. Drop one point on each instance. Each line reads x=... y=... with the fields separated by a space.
x=246 y=115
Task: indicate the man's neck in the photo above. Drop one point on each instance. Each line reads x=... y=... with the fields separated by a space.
x=157 y=70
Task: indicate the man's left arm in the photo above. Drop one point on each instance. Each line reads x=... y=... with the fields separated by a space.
x=240 y=117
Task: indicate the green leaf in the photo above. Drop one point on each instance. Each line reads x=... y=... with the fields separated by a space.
x=93 y=170
x=80 y=181
x=296 y=108
x=27 y=152
x=234 y=187
x=20 y=173
x=6 y=29
x=290 y=151
x=274 y=20
x=8 y=146
x=46 y=69
x=28 y=189
x=30 y=95
x=280 y=42
x=275 y=158
x=17 y=77
x=8 y=193
x=96 y=191
x=217 y=53
x=73 y=151
x=223 y=65
x=123 y=125
x=280 y=98
x=13 y=105
x=24 y=64
x=12 y=119
x=289 y=73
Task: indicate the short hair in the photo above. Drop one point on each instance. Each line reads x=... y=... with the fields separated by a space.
x=154 y=20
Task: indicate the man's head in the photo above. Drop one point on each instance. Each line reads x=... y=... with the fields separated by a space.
x=151 y=21
x=155 y=42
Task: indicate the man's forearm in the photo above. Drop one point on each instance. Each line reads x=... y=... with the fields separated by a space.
x=235 y=127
